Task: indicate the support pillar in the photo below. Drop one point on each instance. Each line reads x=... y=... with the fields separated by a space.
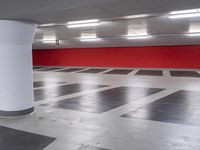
x=16 y=78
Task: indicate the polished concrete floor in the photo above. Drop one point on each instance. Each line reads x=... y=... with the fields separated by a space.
x=82 y=108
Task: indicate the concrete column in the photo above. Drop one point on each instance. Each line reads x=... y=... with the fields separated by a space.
x=16 y=82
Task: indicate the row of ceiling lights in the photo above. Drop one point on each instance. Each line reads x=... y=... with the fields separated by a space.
x=96 y=22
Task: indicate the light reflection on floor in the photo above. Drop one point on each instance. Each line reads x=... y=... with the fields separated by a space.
x=75 y=129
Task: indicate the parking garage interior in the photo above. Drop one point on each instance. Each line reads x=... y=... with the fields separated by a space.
x=100 y=75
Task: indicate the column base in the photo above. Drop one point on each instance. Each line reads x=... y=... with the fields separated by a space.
x=16 y=113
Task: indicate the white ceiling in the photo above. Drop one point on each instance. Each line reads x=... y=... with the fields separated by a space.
x=168 y=32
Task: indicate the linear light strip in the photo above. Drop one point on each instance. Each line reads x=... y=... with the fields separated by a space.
x=184 y=16
x=83 y=25
x=138 y=37
x=89 y=39
x=49 y=41
x=185 y=11
x=57 y=42
x=193 y=34
x=83 y=21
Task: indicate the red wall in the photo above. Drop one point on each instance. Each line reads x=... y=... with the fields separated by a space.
x=154 y=57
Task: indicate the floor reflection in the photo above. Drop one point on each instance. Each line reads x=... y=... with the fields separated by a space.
x=105 y=100
x=38 y=84
x=182 y=107
x=57 y=91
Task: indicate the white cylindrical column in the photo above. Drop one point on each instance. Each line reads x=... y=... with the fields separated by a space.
x=16 y=83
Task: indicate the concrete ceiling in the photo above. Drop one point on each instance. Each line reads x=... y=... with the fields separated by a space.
x=166 y=31
x=48 y=11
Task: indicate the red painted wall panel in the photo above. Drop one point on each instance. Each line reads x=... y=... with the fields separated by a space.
x=154 y=57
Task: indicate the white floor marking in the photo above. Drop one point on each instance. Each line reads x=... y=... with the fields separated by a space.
x=109 y=130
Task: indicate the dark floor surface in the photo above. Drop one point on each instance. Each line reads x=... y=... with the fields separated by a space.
x=11 y=139
x=93 y=71
x=119 y=71
x=57 y=91
x=182 y=107
x=104 y=101
x=38 y=84
x=184 y=74
x=70 y=70
x=150 y=72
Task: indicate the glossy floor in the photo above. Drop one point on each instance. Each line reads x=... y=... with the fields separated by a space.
x=82 y=108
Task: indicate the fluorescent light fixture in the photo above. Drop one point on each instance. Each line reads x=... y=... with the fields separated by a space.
x=133 y=37
x=178 y=12
x=83 y=25
x=57 y=42
x=185 y=14
x=47 y=25
x=49 y=38
x=88 y=39
x=135 y=16
x=83 y=21
x=49 y=41
x=193 y=34
x=89 y=36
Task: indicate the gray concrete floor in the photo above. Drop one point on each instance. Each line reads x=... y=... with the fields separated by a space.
x=109 y=130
